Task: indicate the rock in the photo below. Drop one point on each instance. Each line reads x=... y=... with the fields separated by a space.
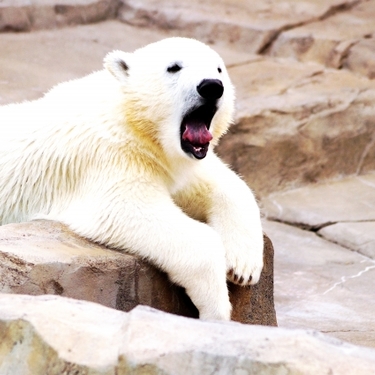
x=255 y=304
x=357 y=236
x=361 y=57
x=327 y=40
x=44 y=257
x=31 y=63
x=299 y=123
x=23 y=15
x=346 y=200
x=56 y=335
x=14 y=15
x=322 y=286
x=247 y=24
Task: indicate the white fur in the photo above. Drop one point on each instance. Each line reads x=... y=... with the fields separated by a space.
x=102 y=154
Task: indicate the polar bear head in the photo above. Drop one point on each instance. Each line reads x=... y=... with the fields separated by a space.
x=177 y=92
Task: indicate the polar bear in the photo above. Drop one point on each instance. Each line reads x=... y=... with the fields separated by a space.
x=124 y=157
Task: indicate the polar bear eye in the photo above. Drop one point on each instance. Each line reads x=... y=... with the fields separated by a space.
x=219 y=69
x=174 y=68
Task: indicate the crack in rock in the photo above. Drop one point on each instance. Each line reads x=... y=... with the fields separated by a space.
x=344 y=279
x=331 y=11
x=340 y=8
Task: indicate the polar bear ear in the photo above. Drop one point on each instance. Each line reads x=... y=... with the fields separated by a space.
x=117 y=63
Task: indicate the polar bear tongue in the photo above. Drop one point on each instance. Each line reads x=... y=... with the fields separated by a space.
x=196 y=134
x=196 y=139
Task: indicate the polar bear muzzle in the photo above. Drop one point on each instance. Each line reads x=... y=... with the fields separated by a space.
x=195 y=134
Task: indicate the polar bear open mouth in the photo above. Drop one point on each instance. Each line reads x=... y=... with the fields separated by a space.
x=195 y=135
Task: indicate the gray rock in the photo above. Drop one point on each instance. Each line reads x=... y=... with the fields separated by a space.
x=357 y=236
x=322 y=286
x=346 y=200
x=55 y=335
x=45 y=257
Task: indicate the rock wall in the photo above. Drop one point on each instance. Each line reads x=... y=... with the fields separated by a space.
x=26 y=15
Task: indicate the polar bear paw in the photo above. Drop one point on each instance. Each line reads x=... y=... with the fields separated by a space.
x=245 y=267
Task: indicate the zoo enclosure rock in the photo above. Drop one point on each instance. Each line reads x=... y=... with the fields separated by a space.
x=25 y=15
x=250 y=24
x=298 y=123
x=45 y=257
x=346 y=39
x=322 y=285
x=335 y=33
x=57 y=335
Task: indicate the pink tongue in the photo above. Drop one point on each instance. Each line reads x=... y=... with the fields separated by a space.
x=196 y=134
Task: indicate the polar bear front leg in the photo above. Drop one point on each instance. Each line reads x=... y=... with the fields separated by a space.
x=153 y=227
x=235 y=215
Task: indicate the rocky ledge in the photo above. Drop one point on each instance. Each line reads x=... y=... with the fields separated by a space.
x=56 y=335
x=45 y=257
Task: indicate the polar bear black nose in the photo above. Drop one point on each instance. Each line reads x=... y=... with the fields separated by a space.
x=210 y=89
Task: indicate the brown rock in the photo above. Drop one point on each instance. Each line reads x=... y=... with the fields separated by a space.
x=250 y=24
x=22 y=15
x=31 y=63
x=361 y=57
x=254 y=304
x=299 y=123
x=43 y=257
x=327 y=40
x=14 y=15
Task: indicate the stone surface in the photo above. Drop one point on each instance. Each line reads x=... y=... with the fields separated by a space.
x=322 y=286
x=346 y=200
x=328 y=40
x=299 y=123
x=43 y=257
x=55 y=335
x=31 y=63
x=357 y=236
x=24 y=15
x=361 y=57
x=318 y=283
x=250 y=24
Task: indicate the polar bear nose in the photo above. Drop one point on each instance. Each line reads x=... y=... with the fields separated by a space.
x=210 y=89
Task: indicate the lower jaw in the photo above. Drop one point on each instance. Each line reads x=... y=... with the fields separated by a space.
x=196 y=154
